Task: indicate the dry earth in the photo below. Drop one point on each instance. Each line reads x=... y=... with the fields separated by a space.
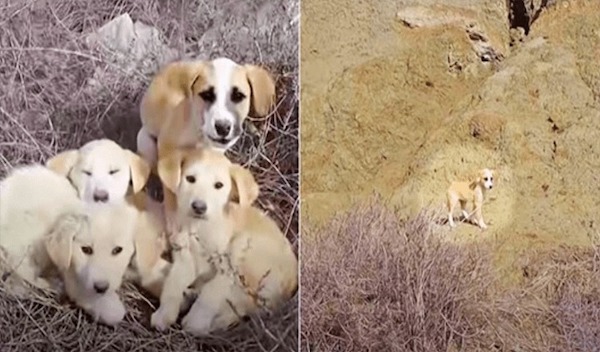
x=399 y=99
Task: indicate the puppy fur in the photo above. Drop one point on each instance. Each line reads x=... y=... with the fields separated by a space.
x=217 y=220
x=45 y=227
x=101 y=170
x=201 y=103
x=473 y=191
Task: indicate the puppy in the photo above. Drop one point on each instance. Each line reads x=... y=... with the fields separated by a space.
x=91 y=250
x=46 y=229
x=101 y=171
x=230 y=253
x=473 y=191
x=191 y=103
x=31 y=198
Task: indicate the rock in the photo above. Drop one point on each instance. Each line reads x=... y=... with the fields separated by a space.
x=133 y=47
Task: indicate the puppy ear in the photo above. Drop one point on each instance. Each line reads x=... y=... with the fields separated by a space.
x=139 y=170
x=169 y=170
x=263 y=89
x=195 y=77
x=62 y=163
x=59 y=240
x=244 y=189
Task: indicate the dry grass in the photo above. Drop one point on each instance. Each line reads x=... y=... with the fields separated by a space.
x=47 y=105
x=372 y=283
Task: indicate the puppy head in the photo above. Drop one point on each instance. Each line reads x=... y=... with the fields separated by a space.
x=94 y=247
x=486 y=178
x=205 y=181
x=101 y=170
x=223 y=92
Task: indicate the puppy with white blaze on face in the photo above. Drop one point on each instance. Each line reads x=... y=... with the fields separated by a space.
x=201 y=103
x=101 y=171
x=473 y=191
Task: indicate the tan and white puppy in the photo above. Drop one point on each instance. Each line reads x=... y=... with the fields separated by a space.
x=233 y=256
x=201 y=103
x=473 y=191
x=47 y=230
x=101 y=170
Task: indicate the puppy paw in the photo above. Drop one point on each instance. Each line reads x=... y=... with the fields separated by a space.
x=110 y=311
x=483 y=226
x=197 y=324
x=161 y=320
x=452 y=225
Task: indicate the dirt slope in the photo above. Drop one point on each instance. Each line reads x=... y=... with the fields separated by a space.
x=399 y=100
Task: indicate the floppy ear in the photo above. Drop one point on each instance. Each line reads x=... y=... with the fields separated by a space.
x=263 y=89
x=62 y=163
x=169 y=170
x=59 y=240
x=244 y=188
x=139 y=170
x=196 y=77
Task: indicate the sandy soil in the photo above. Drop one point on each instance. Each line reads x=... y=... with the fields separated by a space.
x=401 y=111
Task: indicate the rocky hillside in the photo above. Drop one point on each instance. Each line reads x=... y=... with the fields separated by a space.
x=400 y=97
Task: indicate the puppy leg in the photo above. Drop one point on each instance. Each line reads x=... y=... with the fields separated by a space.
x=170 y=206
x=146 y=147
x=181 y=275
x=479 y=215
x=463 y=206
x=220 y=304
x=451 y=204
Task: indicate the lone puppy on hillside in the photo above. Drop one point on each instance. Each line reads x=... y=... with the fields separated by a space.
x=463 y=192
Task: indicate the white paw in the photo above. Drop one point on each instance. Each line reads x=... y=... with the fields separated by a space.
x=452 y=224
x=197 y=324
x=483 y=226
x=162 y=320
x=109 y=311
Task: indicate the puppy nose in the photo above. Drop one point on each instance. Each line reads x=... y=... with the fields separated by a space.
x=199 y=207
x=100 y=196
x=222 y=127
x=101 y=286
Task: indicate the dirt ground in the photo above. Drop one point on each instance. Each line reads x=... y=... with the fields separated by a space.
x=400 y=99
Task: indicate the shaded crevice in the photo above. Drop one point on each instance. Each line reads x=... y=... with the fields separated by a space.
x=523 y=13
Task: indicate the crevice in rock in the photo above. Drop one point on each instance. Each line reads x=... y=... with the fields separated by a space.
x=523 y=13
x=518 y=16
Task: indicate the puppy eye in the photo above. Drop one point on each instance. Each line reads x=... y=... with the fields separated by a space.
x=208 y=95
x=117 y=250
x=190 y=179
x=112 y=172
x=87 y=250
x=485 y=179
x=218 y=185
x=491 y=179
x=89 y=173
x=237 y=96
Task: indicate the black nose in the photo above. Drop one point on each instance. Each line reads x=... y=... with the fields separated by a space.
x=100 y=196
x=199 y=207
x=222 y=127
x=101 y=286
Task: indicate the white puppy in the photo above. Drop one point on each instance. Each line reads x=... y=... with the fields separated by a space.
x=46 y=229
x=101 y=170
x=473 y=191
x=92 y=250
